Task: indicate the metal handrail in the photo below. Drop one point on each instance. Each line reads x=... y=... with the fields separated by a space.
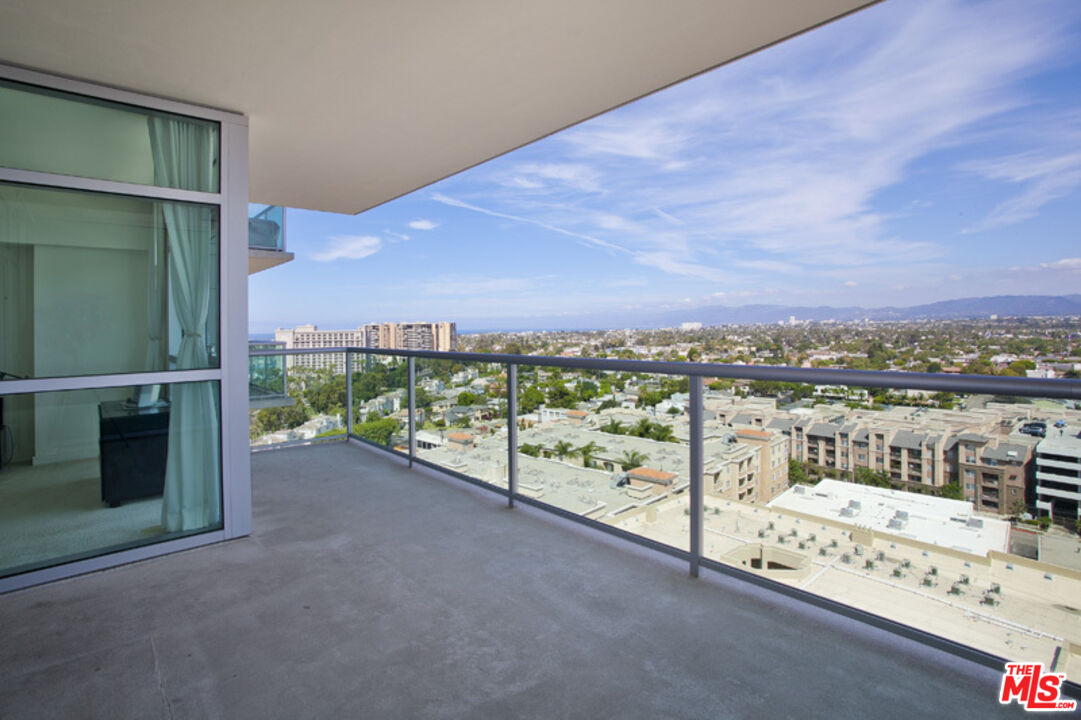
x=935 y=382
x=694 y=555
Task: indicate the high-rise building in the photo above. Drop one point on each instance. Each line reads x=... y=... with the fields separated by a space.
x=437 y=336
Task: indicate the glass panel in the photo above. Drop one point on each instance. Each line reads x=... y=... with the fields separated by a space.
x=607 y=446
x=267 y=379
x=311 y=403
x=930 y=509
x=50 y=131
x=96 y=284
x=265 y=226
x=463 y=408
x=381 y=400
x=87 y=472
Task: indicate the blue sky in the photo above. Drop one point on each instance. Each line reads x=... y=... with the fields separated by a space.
x=919 y=150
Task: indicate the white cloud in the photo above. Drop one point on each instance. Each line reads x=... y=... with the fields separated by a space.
x=439 y=197
x=677 y=265
x=608 y=221
x=423 y=225
x=1044 y=177
x=654 y=140
x=1073 y=263
x=577 y=177
x=349 y=247
x=670 y=218
x=396 y=236
x=851 y=283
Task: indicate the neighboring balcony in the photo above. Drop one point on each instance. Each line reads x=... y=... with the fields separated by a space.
x=266 y=238
x=268 y=377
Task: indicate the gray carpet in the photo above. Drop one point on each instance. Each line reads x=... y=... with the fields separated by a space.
x=55 y=511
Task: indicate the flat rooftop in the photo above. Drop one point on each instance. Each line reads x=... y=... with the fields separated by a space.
x=368 y=589
x=947 y=523
x=1064 y=441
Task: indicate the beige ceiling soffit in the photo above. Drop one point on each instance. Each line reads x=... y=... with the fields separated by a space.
x=354 y=103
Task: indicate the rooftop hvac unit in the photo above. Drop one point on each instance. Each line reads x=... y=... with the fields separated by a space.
x=975 y=523
x=854 y=504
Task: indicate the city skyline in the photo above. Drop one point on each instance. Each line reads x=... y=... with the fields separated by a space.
x=915 y=153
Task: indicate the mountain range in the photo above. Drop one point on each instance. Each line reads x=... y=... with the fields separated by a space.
x=972 y=307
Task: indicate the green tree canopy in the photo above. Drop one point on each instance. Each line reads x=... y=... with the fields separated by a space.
x=632 y=459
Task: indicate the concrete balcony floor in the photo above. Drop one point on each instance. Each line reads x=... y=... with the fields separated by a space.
x=371 y=590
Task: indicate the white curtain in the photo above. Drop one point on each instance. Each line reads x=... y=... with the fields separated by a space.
x=183 y=158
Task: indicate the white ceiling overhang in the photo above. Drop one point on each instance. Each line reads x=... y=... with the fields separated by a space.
x=355 y=102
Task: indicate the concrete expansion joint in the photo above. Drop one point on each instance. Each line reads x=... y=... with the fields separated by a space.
x=168 y=710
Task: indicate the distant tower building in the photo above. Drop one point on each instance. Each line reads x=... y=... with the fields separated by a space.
x=438 y=336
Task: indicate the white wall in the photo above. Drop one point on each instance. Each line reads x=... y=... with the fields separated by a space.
x=89 y=318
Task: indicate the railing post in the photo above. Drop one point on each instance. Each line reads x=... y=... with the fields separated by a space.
x=348 y=394
x=697 y=470
x=512 y=433
x=412 y=363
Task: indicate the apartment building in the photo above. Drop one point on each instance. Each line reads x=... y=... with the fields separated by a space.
x=978 y=449
x=1058 y=474
x=438 y=336
x=771 y=478
x=994 y=473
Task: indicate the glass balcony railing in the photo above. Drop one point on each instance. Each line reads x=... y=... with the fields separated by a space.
x=631 y=448
x=266 y=227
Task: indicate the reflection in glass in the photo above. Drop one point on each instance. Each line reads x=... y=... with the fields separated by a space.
x=55 y=132
x=88 y=472
x=98 y=284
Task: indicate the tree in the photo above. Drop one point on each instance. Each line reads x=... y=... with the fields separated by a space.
x=530 y=450
x=613 y=427
x=587 y=452
x=796 y=473
x=953 y=491
x=866 y=476
x=559 y=396
x=378 y=431
x=328 y=397
x=632 y=459
x=944 y=400
x=587 y=390
x=279 y=418
x=608 y=404
x=661 y=433
x=532 y=398
x=422 y=398
x=641 y=428
x=649 y=398
x=562 y=449
x=674 y=410
x=465 y=399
